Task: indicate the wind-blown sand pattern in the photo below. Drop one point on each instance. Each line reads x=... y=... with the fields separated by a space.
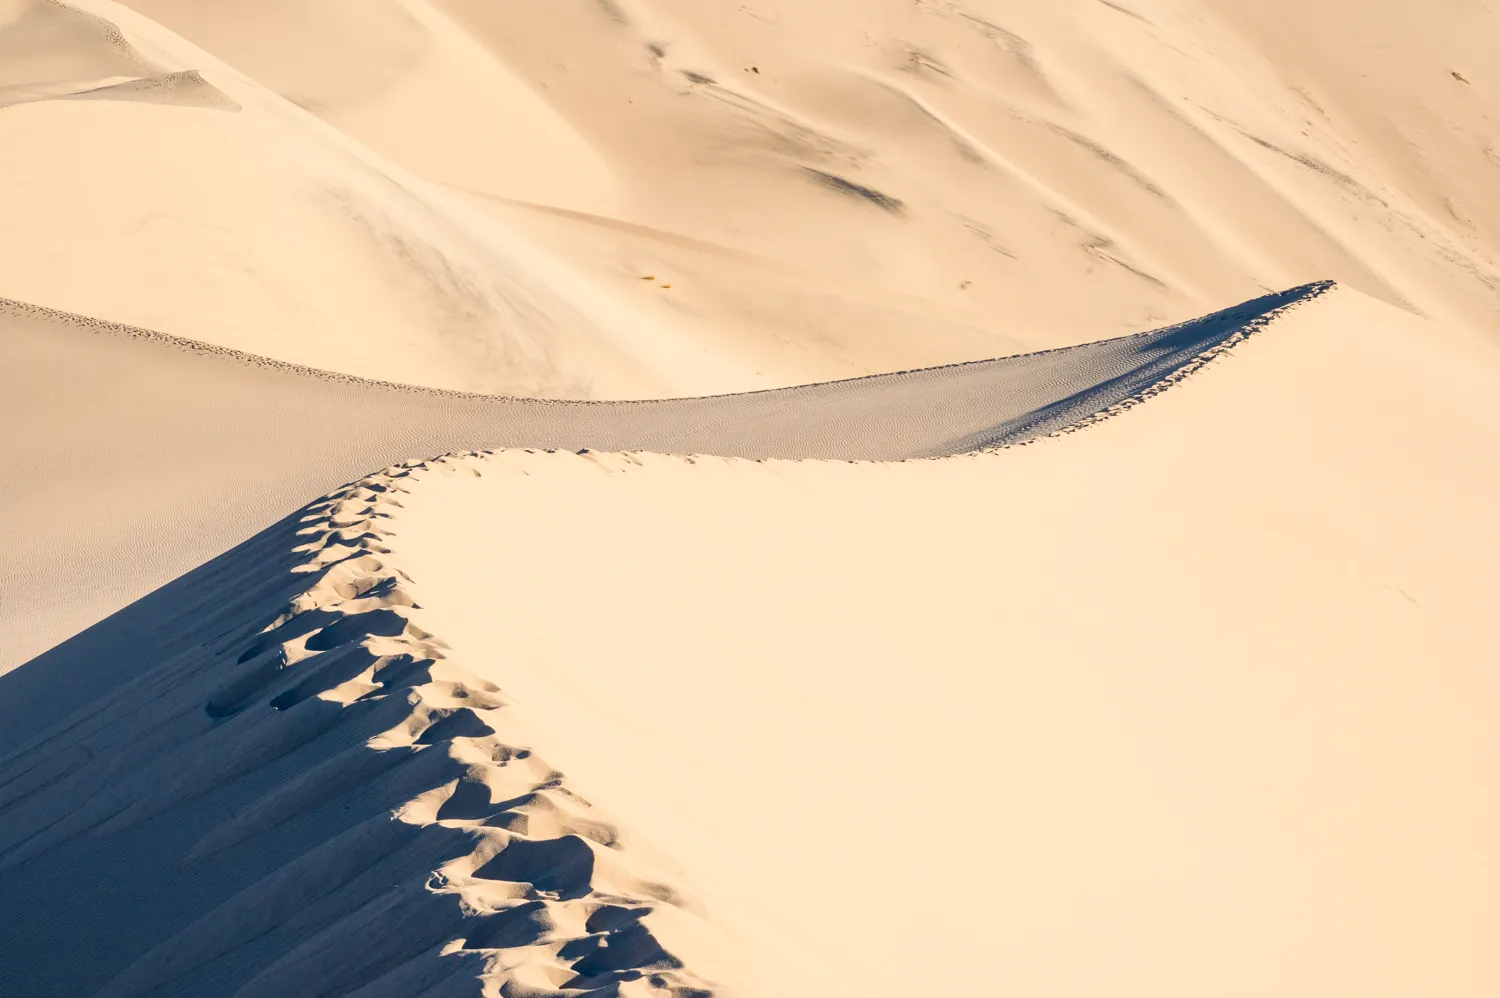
x=473 y=195
x=719 y=625
x=303 y=787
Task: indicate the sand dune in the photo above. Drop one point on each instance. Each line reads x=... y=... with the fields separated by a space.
x=217 y=443
x=260 y=227
x=247 y=222
x=473 y=196
x=871 y=679
x=755 y=637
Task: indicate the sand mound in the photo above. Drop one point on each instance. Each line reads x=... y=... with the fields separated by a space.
x=315 y=764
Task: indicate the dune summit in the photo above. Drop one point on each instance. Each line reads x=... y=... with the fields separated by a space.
x=673 y=499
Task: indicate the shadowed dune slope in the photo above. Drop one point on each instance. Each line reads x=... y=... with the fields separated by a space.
x=1198 y=700
x=788 y=676
x=243 y=814
x=157 y=453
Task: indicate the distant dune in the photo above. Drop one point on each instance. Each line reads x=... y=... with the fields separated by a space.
x=674 y=499
x=651 y=198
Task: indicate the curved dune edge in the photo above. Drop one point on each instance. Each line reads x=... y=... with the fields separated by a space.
x=1256 y=314
x=187 y=419
x=301 y=789
x=1058 y=171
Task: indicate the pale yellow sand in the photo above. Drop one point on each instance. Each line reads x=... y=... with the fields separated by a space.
x=1198 y=701
x=154 y=454
x=1195 y=701
x=474 y=195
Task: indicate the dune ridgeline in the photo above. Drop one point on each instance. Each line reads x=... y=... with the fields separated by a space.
x=825 y=498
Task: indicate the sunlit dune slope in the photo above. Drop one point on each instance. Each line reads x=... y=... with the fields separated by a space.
x=225 y=213
x=756 y=637
x=118 y=431
x=145 y=182
x=1193 y=700
x=650 y=198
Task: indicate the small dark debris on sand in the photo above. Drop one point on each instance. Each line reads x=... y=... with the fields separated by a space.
x=893 y=205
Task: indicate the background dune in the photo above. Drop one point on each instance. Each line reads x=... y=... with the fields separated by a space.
x=636 y=199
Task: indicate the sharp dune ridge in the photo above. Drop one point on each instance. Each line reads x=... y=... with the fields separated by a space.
x=830 y=536
x=161 y=388
x=308 y=776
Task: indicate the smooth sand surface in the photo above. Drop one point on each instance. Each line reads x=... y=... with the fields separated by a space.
x=1192 y=695
x=1199 y=701
x=1194 y=699
x=645 y=198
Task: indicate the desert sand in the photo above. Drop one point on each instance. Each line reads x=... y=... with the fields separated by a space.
x=829 y=498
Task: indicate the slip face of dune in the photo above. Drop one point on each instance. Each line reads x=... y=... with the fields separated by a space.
x=1193 y=700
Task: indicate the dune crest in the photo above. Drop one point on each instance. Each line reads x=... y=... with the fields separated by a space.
x=315 y=763
x=413 y=827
